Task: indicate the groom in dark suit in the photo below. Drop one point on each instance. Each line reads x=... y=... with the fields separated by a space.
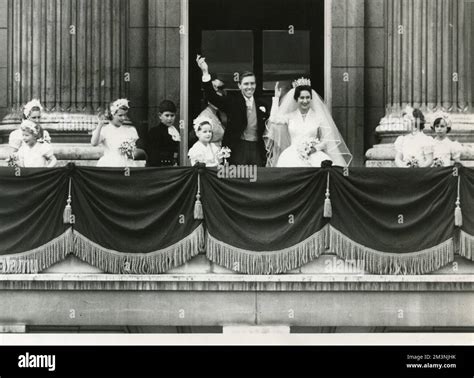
x=246 y=118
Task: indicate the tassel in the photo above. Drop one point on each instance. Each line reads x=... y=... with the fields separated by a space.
x=67 y=214
x=198 y=213
x=457 y=210
x=327 y=213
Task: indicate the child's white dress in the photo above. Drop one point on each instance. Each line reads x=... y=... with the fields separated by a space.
x=447 y=151
x=204 y=154
x=414 y=146
x=112 y=138
x=36 y=156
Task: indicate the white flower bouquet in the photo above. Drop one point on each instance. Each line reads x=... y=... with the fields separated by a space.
x=307 y=148
x=223 y=153
x=128 y=148
x=13 y=161
x=413 y=162
x=437 y=162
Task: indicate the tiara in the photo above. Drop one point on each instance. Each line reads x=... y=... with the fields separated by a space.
x=301 y=81
x=199 y=121
x=35 y=103
x=117 y=104
x=30 y=126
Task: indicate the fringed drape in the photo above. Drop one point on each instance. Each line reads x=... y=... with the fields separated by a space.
x=466 y=245
x=390 y=221
x=40 y=258
x=381 y=262
x=160 y=261
x=266 y=262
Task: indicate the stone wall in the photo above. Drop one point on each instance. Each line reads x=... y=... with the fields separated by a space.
x=347 y=67
x=374 y=69
x=154 y=57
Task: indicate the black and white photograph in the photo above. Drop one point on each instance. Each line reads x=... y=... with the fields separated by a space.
x=239 y=169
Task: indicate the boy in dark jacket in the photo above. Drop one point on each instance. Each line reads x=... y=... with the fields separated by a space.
x=163 y=140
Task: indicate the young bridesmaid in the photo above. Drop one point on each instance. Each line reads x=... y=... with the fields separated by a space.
x=32 y=112
x=203 y=151
x=32 y=153
x=445 y=151
x=118 y=139
x=414 y=149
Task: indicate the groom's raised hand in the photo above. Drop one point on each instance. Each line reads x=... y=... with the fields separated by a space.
x=201 y=62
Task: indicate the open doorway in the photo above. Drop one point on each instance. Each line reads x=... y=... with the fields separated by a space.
x=279 y=40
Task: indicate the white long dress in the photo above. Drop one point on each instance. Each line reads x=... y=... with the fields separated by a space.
x=301 y=130
x=204 y=154
x=446 y=151
x=288 y=133
x=112 y=137
x=36 y=156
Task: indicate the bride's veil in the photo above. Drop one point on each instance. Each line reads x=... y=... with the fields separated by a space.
x=277 y=137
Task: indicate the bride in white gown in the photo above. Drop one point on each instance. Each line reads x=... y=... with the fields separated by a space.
x=301 y=131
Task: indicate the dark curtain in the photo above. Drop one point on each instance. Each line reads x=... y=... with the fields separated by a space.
x=137 y=223
x=31 y=219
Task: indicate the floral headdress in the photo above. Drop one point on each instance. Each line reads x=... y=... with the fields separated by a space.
x=302 y=81
x=117 y=104
x=199 y=121
x=30 y=127
x=408 y=112
x=35 y=103
x=443 y=115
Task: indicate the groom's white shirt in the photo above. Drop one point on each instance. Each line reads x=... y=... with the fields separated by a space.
x=249 y=102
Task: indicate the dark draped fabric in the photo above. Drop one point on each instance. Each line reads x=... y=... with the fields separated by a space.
x=396 y=211
x=272 y=225
x=141 y=223
x=31 y=219
x=467 y=205
x=388 y=221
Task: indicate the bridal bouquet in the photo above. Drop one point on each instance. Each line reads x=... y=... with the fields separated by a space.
x=128 y=148
x=307 y=147
x=13 y=161
x=223 y=153
x=413 y=162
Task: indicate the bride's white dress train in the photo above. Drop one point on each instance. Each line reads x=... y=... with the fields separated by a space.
x=301 y=129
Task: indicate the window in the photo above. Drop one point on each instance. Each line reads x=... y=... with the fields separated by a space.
x=281 y=57
x=228 y=52
x=285 y=57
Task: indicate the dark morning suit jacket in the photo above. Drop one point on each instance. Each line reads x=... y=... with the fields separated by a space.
x=236 y=110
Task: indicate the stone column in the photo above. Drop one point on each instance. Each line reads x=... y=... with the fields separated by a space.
x=427 y=61
x=427 y=66
x=72 y=55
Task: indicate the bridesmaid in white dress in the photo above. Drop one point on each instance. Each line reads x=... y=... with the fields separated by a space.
x=114 y=135
x=301 y=132
x=445 y=151
x=32 y=112
x=34 y=153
